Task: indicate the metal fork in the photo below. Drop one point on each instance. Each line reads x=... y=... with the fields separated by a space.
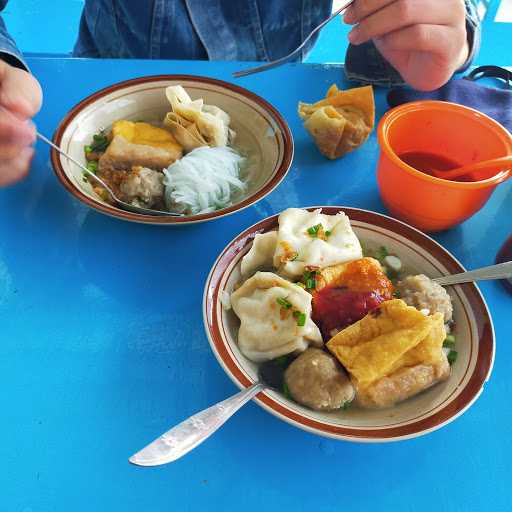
x=282 y=60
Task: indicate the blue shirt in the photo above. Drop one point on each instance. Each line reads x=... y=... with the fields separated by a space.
x=254 y=30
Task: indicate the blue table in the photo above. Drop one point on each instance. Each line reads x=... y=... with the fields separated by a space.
x=103 y=347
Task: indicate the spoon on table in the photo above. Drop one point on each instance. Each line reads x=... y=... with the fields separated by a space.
x=122 y=204
x=192 y=432
x=493 y=164
x=282 y=60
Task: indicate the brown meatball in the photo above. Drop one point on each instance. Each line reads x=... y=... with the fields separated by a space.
x=316 y=380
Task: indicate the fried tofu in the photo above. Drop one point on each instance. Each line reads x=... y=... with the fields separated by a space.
x=363 y=275
x=123 y=155
x=393 y=353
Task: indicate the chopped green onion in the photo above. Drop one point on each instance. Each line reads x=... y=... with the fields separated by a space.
x=328 y=233
x=448 y=344
x=92 y=166
x=346 y=405
x=301 y=285
x=310 y=284
x=301 y=318
x=450 y=337
x=313 y=230
x=99 y=143
x=284 y=303
x=452 y=356
x=381 y=253
x=88 y=149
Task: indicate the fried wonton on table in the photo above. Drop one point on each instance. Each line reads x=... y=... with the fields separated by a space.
x=393 y=353
x=342 y=121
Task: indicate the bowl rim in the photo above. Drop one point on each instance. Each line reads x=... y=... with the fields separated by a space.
x=472 y=390
x=282 y=170
x=446 y=106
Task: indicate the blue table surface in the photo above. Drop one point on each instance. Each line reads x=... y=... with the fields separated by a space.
x=103 y=346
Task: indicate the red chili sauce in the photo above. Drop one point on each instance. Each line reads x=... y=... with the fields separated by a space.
x=337 y=308
x=349 y=295
x=425 y=162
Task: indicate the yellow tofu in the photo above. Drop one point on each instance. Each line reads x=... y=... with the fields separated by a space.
x=391 y=337
x=145 y=134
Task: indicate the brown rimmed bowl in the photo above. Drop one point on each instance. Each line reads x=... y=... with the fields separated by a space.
x=416 y=416
x=262 y=134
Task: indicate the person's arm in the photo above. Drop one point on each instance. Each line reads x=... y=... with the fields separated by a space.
x=20 y=100
x=415 y=55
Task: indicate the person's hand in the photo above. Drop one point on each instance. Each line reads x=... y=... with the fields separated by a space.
x=20 y=100
x=424 y=40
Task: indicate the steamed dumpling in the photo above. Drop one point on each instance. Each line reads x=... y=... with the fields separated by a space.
x=275 y=317
x=261 y=254
x=312 y=239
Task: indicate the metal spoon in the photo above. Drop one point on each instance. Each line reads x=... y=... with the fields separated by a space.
x=192 y=432
x=122 y=204
x=499 y=271
x=282 y=60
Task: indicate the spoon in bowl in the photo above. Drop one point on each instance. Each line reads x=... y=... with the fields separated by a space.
x=493 y=164
x=499 y=271
x=118 y=202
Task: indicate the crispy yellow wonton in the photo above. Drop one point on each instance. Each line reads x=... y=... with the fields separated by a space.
x=342 y=121
x=393 y=353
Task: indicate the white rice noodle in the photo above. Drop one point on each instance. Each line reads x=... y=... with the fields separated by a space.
x=203 y=181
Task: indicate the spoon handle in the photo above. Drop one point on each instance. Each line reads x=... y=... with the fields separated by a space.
x=192 y=432
x=499 y=271
x=498 y=164
x=76 y=162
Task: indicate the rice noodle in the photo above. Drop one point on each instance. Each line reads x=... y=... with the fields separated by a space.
x=203 y=181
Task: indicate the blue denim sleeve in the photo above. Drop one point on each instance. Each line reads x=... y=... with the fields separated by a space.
x=8 y=50
x=365 y=64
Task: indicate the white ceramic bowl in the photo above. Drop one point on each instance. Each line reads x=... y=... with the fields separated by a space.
x=261 y=132
x=416 y=416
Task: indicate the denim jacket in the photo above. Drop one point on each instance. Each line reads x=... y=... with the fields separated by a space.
x=255 y=30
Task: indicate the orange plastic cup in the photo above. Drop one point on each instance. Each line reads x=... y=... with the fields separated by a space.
x=459 y=133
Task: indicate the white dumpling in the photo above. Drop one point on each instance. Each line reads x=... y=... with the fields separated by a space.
x=296 y=248
x=261 y=254
x=268 y=329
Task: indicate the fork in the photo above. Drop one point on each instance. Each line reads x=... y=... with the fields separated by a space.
x=282 y=60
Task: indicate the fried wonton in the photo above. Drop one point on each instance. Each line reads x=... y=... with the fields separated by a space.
x=195 y=124
x=342 y=121
x=393 y=353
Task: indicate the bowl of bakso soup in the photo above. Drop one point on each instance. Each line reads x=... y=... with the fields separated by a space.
x=336 y=311
x=193 y=146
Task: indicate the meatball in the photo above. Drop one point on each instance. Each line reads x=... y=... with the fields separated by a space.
x=424 y=294
x=316 y=380
x=144 y=186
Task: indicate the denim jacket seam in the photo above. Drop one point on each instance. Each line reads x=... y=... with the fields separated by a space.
x=256 y=26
